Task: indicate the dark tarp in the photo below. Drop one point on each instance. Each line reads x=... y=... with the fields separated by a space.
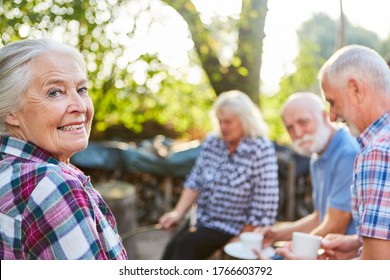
x=159 y=156
x=164 y=159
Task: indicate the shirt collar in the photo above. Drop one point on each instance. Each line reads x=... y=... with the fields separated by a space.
x=367 y=135
x=245 y=146
x=29 y=151
x=26 y=150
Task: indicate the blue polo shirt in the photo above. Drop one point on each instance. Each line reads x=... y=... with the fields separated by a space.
x=332 y=174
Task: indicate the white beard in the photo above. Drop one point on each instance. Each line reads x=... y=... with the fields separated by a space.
x=353 y=129
x=319 y=140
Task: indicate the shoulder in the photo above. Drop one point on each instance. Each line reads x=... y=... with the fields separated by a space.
x=259 y=148
x=378 y=149
x=261 y=144
x=212 y=142
x=345 y=146
x=381 y=141
x=348 y=142
x=55 y=181
x=32 y=173
x=211 y=138
x=54 y=172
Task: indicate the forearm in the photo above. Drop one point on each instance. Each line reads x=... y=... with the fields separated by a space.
x=305 y=224
x=187 y=198
x=329 y=227
x=335 y=221
x=375 y=249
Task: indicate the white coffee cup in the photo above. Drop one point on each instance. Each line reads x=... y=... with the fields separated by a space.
x=305 y=245
x=251 y=241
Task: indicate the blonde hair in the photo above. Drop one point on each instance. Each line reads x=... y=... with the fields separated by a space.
x=238 y=103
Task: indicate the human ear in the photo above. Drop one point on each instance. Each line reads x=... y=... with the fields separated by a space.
x=12 y=119
x=356 y=88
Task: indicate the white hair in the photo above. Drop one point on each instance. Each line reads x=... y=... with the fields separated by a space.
x=359 y=62
x=238 y=103
x=16 y=72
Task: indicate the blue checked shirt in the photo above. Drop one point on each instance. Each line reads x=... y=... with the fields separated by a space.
x=237 y=189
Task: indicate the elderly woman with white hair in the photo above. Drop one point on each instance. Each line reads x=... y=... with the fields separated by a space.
x=48 y=207
x=234 y=182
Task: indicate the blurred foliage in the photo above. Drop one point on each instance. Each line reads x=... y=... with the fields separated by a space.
x=132 y=86
x=317 y=42
x=128 y=88
x=245 y=33
x=323 y=30
x=307 y=62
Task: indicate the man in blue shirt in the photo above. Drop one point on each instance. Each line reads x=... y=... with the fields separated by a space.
x=332 y=153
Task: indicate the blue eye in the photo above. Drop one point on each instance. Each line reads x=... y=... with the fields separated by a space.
x=82 y=90
x=54 y=93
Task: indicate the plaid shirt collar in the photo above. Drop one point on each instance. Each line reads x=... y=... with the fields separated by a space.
x=366 y=136
x=15 y=147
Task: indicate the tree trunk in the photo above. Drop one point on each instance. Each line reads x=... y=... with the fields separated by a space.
x=244 y=76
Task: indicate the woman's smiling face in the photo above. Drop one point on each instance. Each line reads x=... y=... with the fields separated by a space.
x=56 y=112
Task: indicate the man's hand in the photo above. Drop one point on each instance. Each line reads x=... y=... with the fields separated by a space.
x=286 y=252
x=340 y=247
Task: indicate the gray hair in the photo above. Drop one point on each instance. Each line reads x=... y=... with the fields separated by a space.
x=359 y=62
x=16 y=72
x=238 y=103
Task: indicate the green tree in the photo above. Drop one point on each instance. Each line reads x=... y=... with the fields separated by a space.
x=243 y=71
x=322 y=30
x=307 y=63
x=317 y=42
x=120 y=98
x=385 y=49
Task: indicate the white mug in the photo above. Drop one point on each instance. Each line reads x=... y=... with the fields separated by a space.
x=305 y=245
x=251 y=241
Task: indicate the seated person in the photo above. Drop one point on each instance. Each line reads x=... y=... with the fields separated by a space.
x=234 y=182
x=48 y=208
x=333 y=153
x=355 y=81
